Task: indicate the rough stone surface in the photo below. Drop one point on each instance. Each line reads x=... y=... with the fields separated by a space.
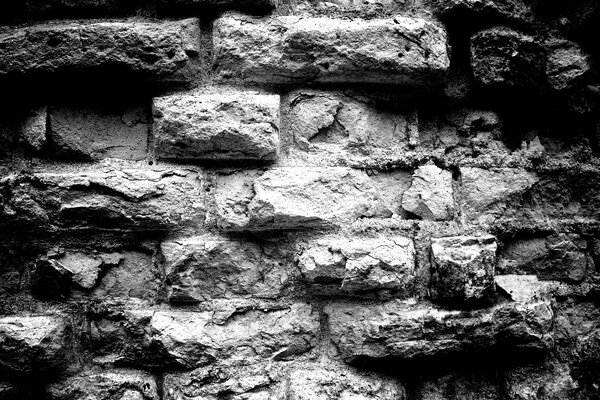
x=395 y=329
x=567 y=63
x=360 y=264
x=281 y=380
x=32 y=343
x=201 y=268
x=430 y=195
x=562 y=257
x=33 y=128
x=121 y=384
x=332 y=382
x=291 y=50
x=460 y=10
x=551 y=381
x=463 y=268
x=259 y=380
x=333 y=128
x=107 y=199
x=56 y=273
x=293 y=198
x=504 y=58
x=163 y=49
x=490 y=190
x=90 y=133
x=221 y=127
x=192 y=339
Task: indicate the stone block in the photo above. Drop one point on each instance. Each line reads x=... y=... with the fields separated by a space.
x=360 y=264
x=292 y=50
x=217 y=127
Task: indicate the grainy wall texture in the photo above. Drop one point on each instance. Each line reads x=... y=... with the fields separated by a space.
x=297 y=200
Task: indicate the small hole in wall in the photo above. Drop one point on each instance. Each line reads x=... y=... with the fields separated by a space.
x=150 y=162
x=400 y=55
x=407 y=48
x=53 y=41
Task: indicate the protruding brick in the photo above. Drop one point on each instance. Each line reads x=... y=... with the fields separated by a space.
x=463 y=268
x=217 y=127
x=152 y=49
x=192 y=339
x=430 y=195
x=395 y=329
x=124 y=199
x=361 y=264
x=291 y=50
x=32 y=343
x=202 y=268
x=33 y=129
x=294 y=198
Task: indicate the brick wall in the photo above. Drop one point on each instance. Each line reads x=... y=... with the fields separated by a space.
x=225 y=200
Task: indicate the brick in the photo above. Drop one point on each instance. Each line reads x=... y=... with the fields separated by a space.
x=430 y=195
x=106 y=199
x=330 y=382
x=33 y=128
x=402 y=331
x=33 y=343
x=463 y=268
x=293 y=198
x=96 y=133
x=291 y=50
x=563 y=257
x=153 y=49
x=567 y=64
x=331 y=128
x=157 y=338
x=491 y=190
x=131 y=384
x=217 y=127
x=203 y=268
x=361 y=264
x=504 y=58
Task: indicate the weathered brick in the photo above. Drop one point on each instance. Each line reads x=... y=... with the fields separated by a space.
x=360 y=264
x=33 y=343
x=330 y=382
x=562 y=256
x=33 y=128
x=292 y=50
x=203 y=268
x=295 y=380
x=332 y=128
x=463 y=268
x=430 y=195
x=504 y=58
x=218 y=126
x=487 y=192
x=156 y=338
x=98 y=132
x=129 y=384
x=395 y=329
x=293 y=198
x=111 y=199
x=155 y=49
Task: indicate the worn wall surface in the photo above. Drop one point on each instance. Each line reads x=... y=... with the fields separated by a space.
x=252 y=200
